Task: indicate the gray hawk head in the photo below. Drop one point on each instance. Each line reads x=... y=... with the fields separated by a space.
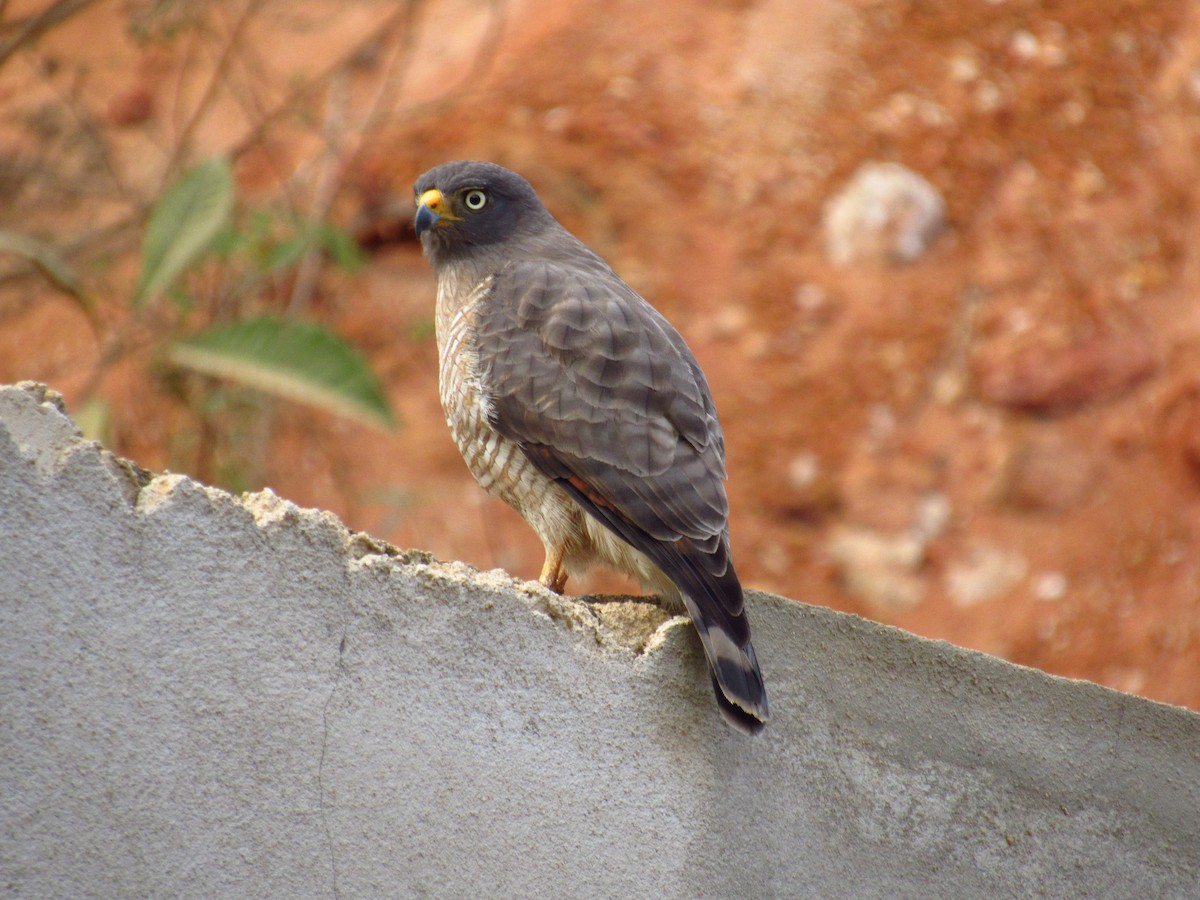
x=466 y=205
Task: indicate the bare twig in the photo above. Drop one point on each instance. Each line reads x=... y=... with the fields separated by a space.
x=382 y=104
x=949 y=372
x=182 y=146
x=75 y=107
x=77 y=246
x=310 y=87
x=327 y=188
x=191 y=50
x=488 y=48
x=393 y=76
x=38 y=24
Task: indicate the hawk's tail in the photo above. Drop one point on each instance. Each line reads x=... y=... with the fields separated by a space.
x=713 y=597
x=737 y=679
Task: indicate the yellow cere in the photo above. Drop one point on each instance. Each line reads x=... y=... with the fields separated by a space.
x=436 y=203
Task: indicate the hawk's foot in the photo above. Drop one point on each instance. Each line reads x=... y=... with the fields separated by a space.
x=554 y=576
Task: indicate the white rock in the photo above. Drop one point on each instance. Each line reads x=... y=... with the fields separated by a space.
x=987 y=572
x=886 y=214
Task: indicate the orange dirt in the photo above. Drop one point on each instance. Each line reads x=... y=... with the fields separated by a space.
x=998 y=445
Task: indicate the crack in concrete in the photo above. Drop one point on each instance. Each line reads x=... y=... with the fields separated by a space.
x=337 y=681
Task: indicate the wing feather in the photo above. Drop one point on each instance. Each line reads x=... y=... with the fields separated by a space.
x=579 y=364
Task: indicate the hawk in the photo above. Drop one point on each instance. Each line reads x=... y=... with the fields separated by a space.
x=574 y=401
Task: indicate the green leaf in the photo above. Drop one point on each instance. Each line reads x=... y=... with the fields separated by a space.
x=227 y=242
x=259 y=227
x=298 y=360
x=285 y=254
x=181 y=300
x=184 y=224
x=341 y=247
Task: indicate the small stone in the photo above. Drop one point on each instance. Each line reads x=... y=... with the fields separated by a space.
x=1023 y=375
x=1024 y=45
x=886 y=215
x=131 y=107
x=556 y=120
x=986 y=573
x=881 y=424
x=730 y=320
x=1073 y=112
x=880 y=568
x=934 y=115
x=1087 y=180
x=949 y=387
x=1123 y=678
x=1050 y=586
x=775 y=558
x=1054 y=55
x=988 y=97
x=810 y=298
x=964 y=68
x=1019 y=320
x=932 y=516
x=803 y=469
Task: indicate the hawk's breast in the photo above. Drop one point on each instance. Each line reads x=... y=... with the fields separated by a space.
x=498 y=464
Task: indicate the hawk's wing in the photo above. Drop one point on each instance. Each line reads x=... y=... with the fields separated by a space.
x=603 y=395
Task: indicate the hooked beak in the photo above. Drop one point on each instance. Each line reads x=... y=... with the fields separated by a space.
x=432 y=212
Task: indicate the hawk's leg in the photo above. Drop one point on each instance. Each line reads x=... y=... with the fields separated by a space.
x=554 y=576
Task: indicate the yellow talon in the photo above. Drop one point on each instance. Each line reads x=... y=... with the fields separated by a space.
x=554 y=576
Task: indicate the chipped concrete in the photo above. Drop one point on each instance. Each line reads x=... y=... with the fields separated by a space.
x=206 y=696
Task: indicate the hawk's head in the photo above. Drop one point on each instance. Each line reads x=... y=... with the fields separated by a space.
x=462 y=205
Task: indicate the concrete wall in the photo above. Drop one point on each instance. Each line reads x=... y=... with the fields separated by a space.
x=204 y=696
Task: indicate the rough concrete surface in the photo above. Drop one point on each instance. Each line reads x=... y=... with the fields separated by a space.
x=206 y=696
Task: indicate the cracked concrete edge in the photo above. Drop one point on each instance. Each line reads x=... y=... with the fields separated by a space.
x=48 y=436
x=52 y=440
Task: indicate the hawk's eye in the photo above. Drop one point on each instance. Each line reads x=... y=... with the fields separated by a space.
x=475 y=200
